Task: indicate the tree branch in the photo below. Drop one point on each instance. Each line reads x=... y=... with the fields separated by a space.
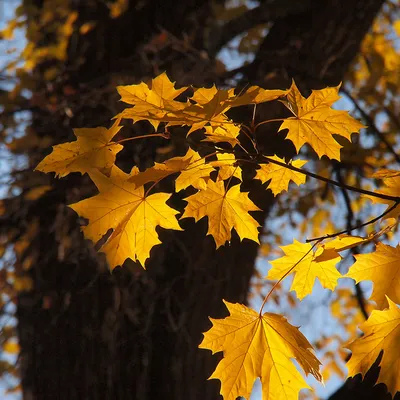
x=371 y=124
x=268 y=11
x=262 y=159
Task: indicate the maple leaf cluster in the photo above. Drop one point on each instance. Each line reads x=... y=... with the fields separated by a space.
x=124 y=218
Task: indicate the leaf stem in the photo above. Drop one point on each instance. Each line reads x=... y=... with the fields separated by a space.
x=230 y=178
x=249 y=134
x=267 y=121
x=163 y=135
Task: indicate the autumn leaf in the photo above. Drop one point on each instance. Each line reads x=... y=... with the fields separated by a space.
x=280 y=176
x=131 y=215
x=193 y=169
x=391 y=180
x=381 y=332
x=92 y=149
x=156 y=104
x=196 y=174
x=209 y=110
x=345 y=242
x=205 y=110
x=152 y=102
x=382 y=267
x=225 y=209
x=228 y=133
x=262 y=347
x=214 y=103
x=300 y=260
x=385 y=173
x=256 y=95
x=227 y=167
x=315 y=122
x=214 y=98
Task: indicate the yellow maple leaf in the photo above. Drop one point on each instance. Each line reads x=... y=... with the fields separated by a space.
x=385 y=173
x=228 y=133
x=156 y=104
x=280 y=176
x=213 y=97
x=92 y=149
x=205 y=110
x=381 y=332
x=345 y=242
x=256 y=95
x=262 y=347
x=227 y=168
x=196 y=174
x=162 y=170
x=152 y=102
x=193 y=169
x=391 y=180
x=315 y=122
x=131 y=215
x=213 y=103
x=225 y=209
x=228 y=99
x=211 y=113
x=306 y=266
x=382 y=267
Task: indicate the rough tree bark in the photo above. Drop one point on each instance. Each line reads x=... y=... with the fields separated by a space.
x=89 y=334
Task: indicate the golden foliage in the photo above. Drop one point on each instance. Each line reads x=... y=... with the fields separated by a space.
x=259 y=346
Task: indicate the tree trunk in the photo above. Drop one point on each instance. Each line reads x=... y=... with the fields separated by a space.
x=133 y=334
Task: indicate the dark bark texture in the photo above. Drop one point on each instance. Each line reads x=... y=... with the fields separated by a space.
x=88 y=334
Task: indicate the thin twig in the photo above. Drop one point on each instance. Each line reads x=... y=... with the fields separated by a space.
x=332 y=235
x=163 y=135
x=350 y=215
x=361 y=300
x=267 y=121
x=372 y=125
x=347 y=200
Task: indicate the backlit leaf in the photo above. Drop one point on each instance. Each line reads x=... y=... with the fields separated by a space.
x=259 y=346
x=227 y=166
x=307 y=266
x=131 y=215
x=315 y=122
x=92 y=149
x=382 y=267
x=391 y=180
x=151 y=102
x=280 y=177
x=225 y=210
x=381 y=332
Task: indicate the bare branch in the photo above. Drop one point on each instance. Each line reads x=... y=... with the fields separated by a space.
x=268 y=11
